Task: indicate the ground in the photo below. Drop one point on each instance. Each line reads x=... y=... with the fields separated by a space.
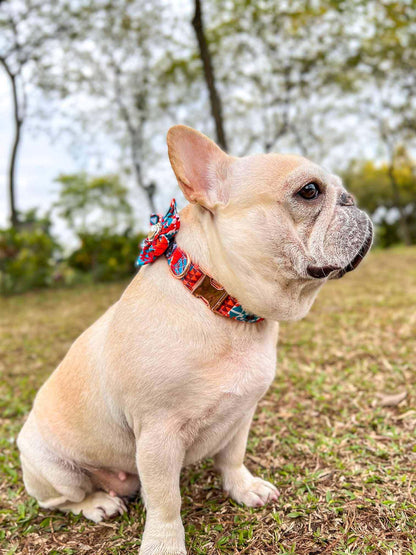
x=332 y=432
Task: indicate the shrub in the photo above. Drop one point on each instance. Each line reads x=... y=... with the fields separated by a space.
x=387 y=187
x=387 y=234
x=27 y=255
x=106 y=256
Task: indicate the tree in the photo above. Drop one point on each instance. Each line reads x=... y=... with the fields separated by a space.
x=93 y=204
x=112 y=72
x=25 y=37
x=215 y=100
x=277 y=78
x=13 y=58
x=389 y=206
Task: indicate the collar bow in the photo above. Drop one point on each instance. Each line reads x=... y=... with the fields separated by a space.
x=162 y=232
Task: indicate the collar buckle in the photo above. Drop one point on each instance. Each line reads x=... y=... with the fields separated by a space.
x=208 y=290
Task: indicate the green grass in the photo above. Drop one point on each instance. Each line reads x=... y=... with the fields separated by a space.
x=345 y=464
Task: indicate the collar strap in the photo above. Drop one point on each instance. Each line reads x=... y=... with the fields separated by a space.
x=204 y=287
x=161 y=240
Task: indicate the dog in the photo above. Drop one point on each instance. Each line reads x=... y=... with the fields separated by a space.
x=173 y=371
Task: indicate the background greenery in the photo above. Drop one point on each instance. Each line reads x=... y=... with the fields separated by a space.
x=331 y=79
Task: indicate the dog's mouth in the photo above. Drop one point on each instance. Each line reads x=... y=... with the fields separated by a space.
x=356 y=261
x=335 y=272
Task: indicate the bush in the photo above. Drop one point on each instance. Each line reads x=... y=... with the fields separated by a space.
x=105 y=256
x=26 y=256
x=387 y=234
x=376 y=190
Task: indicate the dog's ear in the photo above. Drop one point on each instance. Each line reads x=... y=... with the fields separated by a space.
x=200 y=166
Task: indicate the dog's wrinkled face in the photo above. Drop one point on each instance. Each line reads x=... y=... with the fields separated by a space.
x=310 y=223
x=334 y=233
x=281 y=226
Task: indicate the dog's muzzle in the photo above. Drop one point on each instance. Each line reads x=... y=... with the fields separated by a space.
x=335 y=272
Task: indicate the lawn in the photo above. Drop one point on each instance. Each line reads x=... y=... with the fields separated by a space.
x=336 y=432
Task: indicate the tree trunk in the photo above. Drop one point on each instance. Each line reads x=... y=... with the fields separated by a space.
x=136 y=142
x=14 y=220
x=149 y=189
x=18 y=122
x=215 y=101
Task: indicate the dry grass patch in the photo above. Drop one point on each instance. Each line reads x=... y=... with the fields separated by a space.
x=332 y=432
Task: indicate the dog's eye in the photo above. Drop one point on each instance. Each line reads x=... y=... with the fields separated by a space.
x=309 y=191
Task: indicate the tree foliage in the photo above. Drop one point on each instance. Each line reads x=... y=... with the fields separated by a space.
x=111 y=77
x=372 y=185
x=95 y=204
x=333 y=80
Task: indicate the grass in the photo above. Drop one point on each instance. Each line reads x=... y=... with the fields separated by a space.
x=343 y=461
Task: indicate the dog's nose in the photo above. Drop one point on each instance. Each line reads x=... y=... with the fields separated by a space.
x=345 y=199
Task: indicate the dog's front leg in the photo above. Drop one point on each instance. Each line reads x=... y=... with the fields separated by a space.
x=159 y=461
x=238 y=481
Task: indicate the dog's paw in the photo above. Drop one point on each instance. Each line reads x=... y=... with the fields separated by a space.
x=161 y=549
x=256 y=494
x=248 y=490
x=161 y=538
x=100 y=505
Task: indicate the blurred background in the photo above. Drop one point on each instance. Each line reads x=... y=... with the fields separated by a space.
x=89 y=88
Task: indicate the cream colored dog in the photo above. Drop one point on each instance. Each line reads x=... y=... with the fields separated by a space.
x=160 y=381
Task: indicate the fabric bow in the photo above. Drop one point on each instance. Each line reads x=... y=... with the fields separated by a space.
x=162 y=233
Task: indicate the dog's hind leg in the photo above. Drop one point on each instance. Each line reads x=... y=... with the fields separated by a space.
x=58 y=484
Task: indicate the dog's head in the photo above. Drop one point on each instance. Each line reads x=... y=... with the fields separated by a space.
x=278 y=226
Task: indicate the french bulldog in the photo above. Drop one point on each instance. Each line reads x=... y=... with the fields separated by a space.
x=173 y=371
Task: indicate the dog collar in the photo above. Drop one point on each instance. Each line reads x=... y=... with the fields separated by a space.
x=161 y=240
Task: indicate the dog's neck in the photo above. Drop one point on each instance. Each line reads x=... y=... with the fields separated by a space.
x=199 y=238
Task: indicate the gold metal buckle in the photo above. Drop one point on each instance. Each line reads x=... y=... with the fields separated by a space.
x=208 y=291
